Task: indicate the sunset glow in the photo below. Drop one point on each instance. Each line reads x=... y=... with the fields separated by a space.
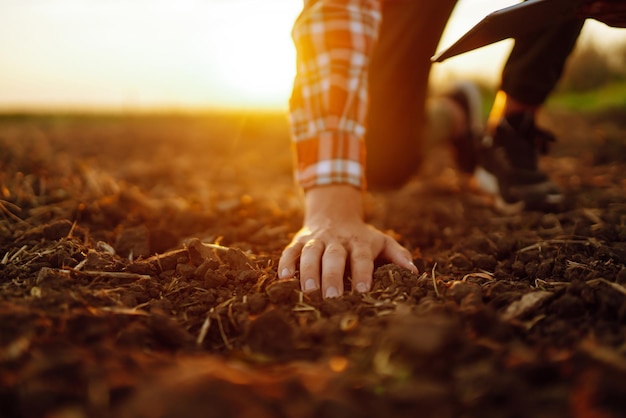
x=146 y=54
x=253 y=56
x=159 y=54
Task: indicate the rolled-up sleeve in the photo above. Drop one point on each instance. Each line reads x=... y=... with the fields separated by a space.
x=328 y=106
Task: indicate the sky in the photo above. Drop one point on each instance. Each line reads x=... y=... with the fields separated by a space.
x=162 y=54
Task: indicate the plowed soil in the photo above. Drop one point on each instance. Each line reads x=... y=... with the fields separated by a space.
x=138 y=279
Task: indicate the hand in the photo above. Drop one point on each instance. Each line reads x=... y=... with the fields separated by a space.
x=335 y=236
x=609 y=12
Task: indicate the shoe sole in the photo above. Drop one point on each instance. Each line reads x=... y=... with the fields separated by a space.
x=467 y=95
x=474 y=104
x=548 y=200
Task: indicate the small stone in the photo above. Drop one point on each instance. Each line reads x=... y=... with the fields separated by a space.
x=527 y=303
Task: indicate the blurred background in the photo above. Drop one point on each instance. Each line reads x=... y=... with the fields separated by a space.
x=156 y=55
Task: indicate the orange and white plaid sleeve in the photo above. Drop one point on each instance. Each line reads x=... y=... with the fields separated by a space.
x=328 y=106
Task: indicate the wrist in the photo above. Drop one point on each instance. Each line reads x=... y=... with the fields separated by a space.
x=335 y=201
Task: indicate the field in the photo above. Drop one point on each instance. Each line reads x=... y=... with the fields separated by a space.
x=138 y=279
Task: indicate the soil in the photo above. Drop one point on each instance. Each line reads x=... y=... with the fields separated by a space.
x=138 y=279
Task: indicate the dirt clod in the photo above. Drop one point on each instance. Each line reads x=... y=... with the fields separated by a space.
x=138 y=260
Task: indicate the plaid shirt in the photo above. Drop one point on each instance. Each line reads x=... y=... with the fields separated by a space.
x=328 y=105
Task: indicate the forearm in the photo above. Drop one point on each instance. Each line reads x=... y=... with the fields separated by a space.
x=328 y=105
x=334 y=41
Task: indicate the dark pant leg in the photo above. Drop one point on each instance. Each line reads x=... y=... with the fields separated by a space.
x=536 y=62
x=398 y=84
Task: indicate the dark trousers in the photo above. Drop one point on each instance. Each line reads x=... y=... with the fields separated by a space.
x=536 y=62
x=398 y=81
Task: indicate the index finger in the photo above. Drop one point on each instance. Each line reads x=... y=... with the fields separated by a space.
x=287 y=262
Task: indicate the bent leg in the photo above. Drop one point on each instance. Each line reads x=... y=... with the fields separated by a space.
x=536 y=62
x=398 y=85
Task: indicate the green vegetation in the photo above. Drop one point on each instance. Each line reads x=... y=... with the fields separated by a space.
x=609 y=96
x=594 y=80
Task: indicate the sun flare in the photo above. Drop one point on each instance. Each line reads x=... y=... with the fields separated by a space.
x=254 y=57
x=162 y=54
x=188 y=54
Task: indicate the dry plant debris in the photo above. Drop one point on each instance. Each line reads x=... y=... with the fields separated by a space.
x=137 y=279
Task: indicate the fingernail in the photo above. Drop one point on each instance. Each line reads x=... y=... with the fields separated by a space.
x=414 y=266
x=309 y=285
x=285 y=273
x=361 y=287
x=332 y=292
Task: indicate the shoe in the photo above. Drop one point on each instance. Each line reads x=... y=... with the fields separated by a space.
x=507 y=166
x=467 y=96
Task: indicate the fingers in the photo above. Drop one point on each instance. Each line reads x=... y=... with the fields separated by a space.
x=321 y=266
x=362 y=268
x=310 y=263
x=323 y=261
x=333 y=267
x=397 y=254
x=287 y=262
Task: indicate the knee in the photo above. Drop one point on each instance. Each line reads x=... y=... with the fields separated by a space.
x=391 y=173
